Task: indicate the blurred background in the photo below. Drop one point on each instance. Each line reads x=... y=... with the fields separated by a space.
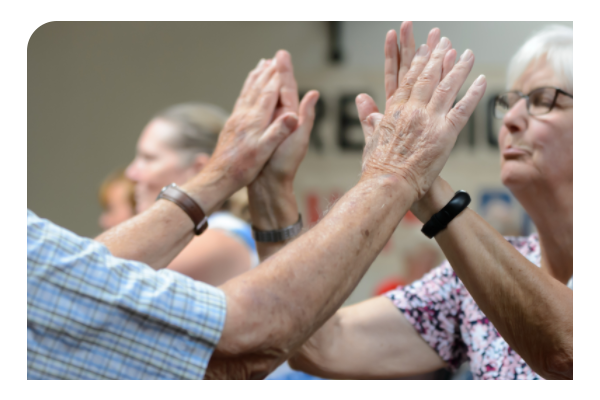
x=93 y=86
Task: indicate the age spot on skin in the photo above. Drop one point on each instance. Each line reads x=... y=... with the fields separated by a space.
x=365 y=233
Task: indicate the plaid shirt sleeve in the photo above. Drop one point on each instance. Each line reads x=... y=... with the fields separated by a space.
x=91 y=315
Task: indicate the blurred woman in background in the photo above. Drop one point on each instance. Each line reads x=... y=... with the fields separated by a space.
x=174 y=146
x=117 y=199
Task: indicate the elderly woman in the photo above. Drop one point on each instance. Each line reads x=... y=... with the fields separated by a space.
x=505 y=305
x=174 y=146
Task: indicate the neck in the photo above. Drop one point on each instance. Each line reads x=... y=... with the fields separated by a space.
x=551 y=210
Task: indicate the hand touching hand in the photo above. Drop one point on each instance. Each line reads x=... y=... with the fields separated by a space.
x=414 y=138
x=272 y=202
x=286 y=159
x=251 y=134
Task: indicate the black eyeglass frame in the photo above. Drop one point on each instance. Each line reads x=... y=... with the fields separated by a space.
x=526 y=97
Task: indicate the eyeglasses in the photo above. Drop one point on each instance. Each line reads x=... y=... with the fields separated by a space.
x=539 y=101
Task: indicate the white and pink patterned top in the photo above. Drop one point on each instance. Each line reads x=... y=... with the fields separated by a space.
x=446 y=316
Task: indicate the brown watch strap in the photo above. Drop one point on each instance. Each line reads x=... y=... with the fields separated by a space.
x=182 y=199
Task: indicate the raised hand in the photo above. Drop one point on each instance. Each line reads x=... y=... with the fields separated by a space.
x=397 y=64
x=414 y=137
x=251 y=134
x=272 y=202
x=286 y=159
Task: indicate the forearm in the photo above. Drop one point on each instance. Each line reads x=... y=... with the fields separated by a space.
x=156 y=236
x=368 y=340
x=272 y=206
x=532 y=311
x=330 y=259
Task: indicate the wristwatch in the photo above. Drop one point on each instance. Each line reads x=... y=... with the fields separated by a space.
x=278 y=235
x=173 y=193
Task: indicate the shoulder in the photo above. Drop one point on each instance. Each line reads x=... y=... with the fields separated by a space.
x=227 y=222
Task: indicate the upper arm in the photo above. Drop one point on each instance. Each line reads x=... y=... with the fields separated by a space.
x=213 y=257
x=371 y=340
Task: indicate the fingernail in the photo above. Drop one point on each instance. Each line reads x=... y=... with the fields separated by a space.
x=260 y=63
x=316 y=99
x=290 y=122
x=423 y=50
x=467 y=55
x=480 y=79
x=444 y=43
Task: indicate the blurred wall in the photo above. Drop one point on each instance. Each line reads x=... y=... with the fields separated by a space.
x=93 y=86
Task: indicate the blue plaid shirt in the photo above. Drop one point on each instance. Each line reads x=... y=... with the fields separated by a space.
x=91 y=315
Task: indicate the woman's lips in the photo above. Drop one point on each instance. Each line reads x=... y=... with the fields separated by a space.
x=514 y=152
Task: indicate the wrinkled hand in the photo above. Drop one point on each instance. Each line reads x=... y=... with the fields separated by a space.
x=414 y=138
x=251 y=134
x=283 y=164
x=272 y=202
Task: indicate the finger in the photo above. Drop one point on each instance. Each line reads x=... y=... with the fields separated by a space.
x=432 y=74
x=407 y=48
x=306 y=113
x=289 y=88
x=448 y=63
x=366 y=106
x=459 y=115
x=252 y=75
x=263 y=78
x=445 y=93
x=374 y=119
x=267 y=100
x=391 y=64
x=277 y=132
x=406 y=85
x=306 y=116
x=433 y=38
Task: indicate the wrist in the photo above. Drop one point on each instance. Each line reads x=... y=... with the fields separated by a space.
x=210 y=188
x=398 y=185
x=433 y=201
x=272 y=204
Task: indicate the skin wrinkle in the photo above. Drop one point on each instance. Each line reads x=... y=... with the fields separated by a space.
x=322 y=270
x=399 y=136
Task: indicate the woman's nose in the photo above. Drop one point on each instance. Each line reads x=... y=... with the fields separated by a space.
x=132 y=171
x=516 y=118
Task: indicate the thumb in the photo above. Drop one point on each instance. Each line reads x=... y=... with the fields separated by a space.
x=278 y=131
x=366 y=106
x=307 y=113
x=374 y=119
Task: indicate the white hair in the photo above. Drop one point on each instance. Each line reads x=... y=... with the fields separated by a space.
x=555 y=42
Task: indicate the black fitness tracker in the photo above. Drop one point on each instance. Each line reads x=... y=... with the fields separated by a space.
x=440 y=220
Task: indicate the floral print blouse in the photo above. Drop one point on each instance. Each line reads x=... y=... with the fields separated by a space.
x=446 y=316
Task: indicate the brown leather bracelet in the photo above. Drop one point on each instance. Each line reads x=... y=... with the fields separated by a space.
x=173 y=193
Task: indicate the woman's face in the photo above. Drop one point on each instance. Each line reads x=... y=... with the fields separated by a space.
x=537 y=149
x=118 y=206
x=156 y=164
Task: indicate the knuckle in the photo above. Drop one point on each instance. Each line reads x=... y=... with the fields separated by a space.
x=444 y=88
x=409 y=81
x=452 y=122
x=461 y=110
x=426 y=77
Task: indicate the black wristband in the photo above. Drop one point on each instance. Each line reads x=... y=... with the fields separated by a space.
x=440 y=220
